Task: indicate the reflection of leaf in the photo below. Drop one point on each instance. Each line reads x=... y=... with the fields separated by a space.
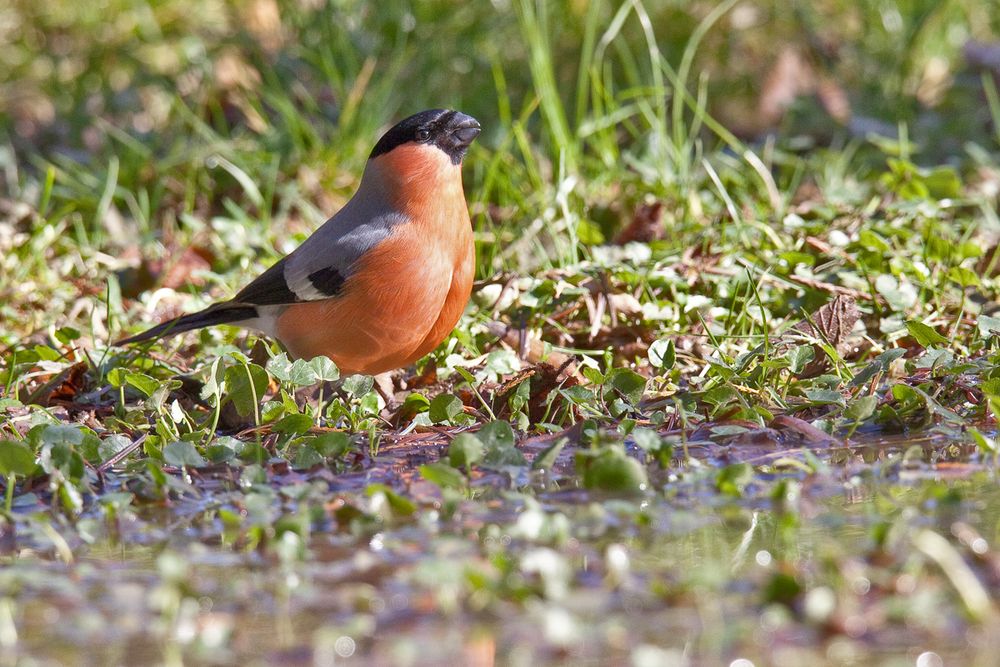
x=400 y=505
x=986 y=445
x=612 y=470
x=442 y=475
x=548 y=456
x=732 y=479
x=465 y=450
x=500 y=445
x=937 y=409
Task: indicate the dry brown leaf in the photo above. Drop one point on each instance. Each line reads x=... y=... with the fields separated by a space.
x=646 y=225
x=833 y=323
x=135 y=280
x=72 y=383
x=533 y=348
x=232 y=71
x=183 y=271
x=263 y=20
x=624 y=303
x=544 y=378
x=790 y=76
x=793 y=76
x=834 y=99
x=989 y=264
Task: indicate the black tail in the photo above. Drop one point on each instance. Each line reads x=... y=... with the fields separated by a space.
x=219 y=313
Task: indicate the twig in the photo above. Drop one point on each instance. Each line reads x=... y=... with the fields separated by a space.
x=120 y=455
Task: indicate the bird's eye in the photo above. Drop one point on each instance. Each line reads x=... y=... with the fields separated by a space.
x=423 y=135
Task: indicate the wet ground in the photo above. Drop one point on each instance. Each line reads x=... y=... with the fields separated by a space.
x=881 y=552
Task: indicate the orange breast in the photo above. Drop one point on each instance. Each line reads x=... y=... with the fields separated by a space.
x=405 y=295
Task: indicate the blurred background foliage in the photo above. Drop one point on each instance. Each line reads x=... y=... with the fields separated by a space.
x=133 y=128
x=313 y=78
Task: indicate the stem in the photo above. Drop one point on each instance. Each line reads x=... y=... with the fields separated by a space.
x=319 y=404
x=256 y=400
x=10 y=375
x=256 y=413
x=8 y=502
x=217 y=412
x=215 y=420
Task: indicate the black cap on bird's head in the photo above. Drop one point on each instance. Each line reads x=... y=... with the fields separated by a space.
x=451 y=131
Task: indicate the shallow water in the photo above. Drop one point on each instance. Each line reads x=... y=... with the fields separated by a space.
x=873 y=559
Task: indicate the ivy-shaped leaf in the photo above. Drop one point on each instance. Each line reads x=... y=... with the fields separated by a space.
x=246 y=385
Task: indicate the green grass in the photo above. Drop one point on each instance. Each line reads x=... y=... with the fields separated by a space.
x=689 y=478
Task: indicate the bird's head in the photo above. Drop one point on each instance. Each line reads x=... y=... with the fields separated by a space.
x=451 y=132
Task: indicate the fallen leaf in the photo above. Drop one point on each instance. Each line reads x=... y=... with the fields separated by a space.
x=262 y=19
x=646 y=225
x=184 y=269
x=792 y=76
x=833 y=323
x=544 y=378
x=72 y=384
x=802 y=431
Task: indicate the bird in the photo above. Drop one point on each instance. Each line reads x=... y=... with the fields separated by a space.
x=385 y=280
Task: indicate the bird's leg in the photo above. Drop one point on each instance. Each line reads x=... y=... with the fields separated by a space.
x=385 y=387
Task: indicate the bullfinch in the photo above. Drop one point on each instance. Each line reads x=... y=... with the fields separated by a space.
x=383 y=281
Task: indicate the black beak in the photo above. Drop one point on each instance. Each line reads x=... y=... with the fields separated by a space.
x=462 y=130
